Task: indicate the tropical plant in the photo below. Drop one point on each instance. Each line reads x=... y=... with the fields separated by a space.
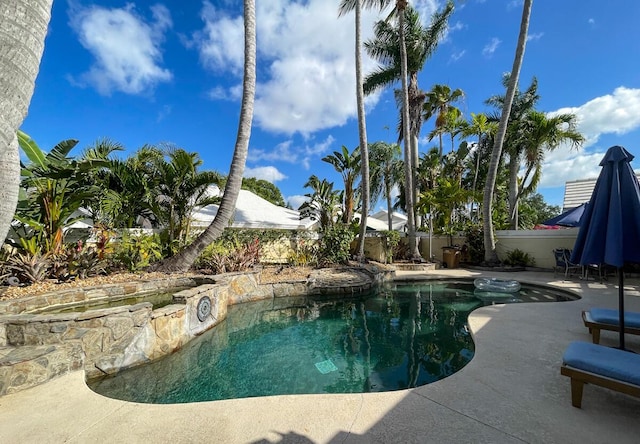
x=335 y=245
x=439 y=104
x=518 y=257
x=136 y=251
x=539 y=133
x=402 y=62
x=23 y=27
x=348 y=165
x=323 y=204
x=179 y=189
x=29 y=267
x=489 y=239
x=53 y=190
x=386 y=173
x=345 y=6
x=483 y=129
x=183 y=260
x=127 y=199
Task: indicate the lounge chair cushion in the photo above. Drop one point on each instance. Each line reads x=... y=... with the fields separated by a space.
x=612 y=317
x=605 y=361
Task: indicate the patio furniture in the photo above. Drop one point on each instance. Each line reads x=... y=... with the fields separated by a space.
x=563 y=263
x=598 y=319
x=607 y=367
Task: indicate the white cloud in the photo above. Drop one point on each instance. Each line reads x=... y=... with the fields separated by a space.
x=457 y=56
x=286 y=152
x=126 y=48
x=491 y=47
x=268 y=173
x=306 y=78
x=536 y=36
x=296 y=200
x=617 y=113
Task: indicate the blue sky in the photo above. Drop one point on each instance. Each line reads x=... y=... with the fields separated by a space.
x=170 y=72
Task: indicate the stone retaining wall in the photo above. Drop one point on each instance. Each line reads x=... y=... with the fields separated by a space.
x=37 y=347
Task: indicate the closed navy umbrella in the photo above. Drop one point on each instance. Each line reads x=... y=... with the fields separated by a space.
x=610 y=226
x=570 y=218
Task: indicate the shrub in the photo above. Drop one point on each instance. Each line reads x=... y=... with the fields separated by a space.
x=335 y=244
x=226 y=255
x=519 y=258
x=391 y=241
x=475 y=241
x=136 y=251
x=29 y=267
x=304 y=253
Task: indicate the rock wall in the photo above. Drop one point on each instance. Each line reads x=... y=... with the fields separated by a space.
x=37 y=347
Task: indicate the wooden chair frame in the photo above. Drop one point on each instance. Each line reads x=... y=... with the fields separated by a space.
x=595 y=327
x=581 y=377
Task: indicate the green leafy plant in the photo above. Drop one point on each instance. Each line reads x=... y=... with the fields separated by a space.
x=391 y=241
x=519 y=258
x=136 y=251
x=226 y=256
x=28 y=267
x=335 y=244
x=304 y=253
x=475 y=240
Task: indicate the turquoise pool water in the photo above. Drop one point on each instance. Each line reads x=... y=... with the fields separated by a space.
x=403 y=335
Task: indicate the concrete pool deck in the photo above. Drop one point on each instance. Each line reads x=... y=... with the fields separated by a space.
x=511 y=392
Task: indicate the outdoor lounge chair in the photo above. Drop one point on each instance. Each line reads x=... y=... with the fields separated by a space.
x=598 y=319
x=563 y=262
x=611 y=368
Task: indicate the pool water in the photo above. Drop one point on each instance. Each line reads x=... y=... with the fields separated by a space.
x=157 y=299
x=402 y=336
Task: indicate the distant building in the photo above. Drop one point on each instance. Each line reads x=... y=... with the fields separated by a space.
x=577 y=192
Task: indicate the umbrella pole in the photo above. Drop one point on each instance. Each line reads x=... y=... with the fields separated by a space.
x=621 y=305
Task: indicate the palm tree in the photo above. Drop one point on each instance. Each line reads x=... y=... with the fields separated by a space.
x=481 y=127
x=439 y=103
x=181 y=188
x=346 y=6
x=490 y=254
x=183 y=260
x=23 y=27
x=323 y=203
x=348 y=165
x=390 y=48
x=127 y=199
x=539 y=134
x=386 y=173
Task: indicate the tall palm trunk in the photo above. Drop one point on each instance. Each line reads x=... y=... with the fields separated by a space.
x=23 y=28
x=490 y=255
x=514 y=190
x=408 y=151
x=185 y=259
x=362 y=132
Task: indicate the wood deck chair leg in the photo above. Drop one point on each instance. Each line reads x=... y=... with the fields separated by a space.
x=576 y=392
x=595 y=332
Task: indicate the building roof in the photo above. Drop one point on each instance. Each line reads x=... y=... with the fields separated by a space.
x=252 y=211
x=577 y=192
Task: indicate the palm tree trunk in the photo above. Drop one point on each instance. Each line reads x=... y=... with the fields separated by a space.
x=185 y=259
x=23 y=28
x=514 y=165
x=490 y=254
x=362 y=132
x=408 y=152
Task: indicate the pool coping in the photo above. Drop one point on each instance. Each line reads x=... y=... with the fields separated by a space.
x=502 y=395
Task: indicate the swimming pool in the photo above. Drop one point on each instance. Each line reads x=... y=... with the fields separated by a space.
x=403 y=335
